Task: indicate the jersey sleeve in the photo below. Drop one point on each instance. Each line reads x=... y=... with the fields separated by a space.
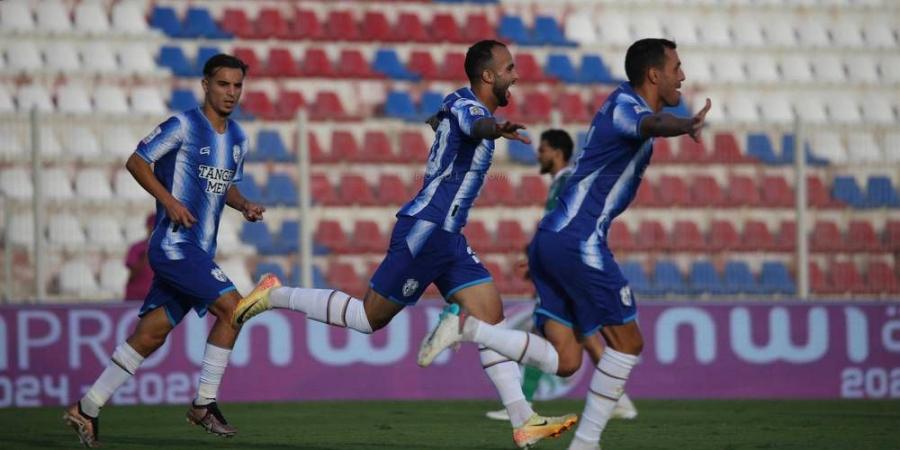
x=163 y=139
x=626 y=119
x=467 y=112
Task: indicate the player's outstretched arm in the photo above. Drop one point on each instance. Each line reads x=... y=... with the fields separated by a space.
x=141 y=171
x=488 y=128
x=252 y=211
x=667 y=125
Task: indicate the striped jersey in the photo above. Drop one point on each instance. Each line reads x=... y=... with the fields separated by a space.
x=196 y=165
x=607 y=172
x=457 y=164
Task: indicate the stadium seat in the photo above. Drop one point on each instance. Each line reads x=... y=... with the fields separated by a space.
x=559 y=66
x=344 y=146
x=340 y=26
x=445 y=29
x=762 y=69
x=539 y=107
x=387 y=62
x=322 y=191
x=376 y=148
x=356 y=191
x=892 y=146
x=880 y=193
x=53 y=17
x=174 y=59
x=726 y=150
x=846 y=190
x=282 y=190
x=258 y=104
x=198 y=23
x=729 y=68
x=110 y=99
x=787 y=152
x=135 y=59
x=57 y=184
x=81 y=143
x=662 y=152
x=548 y=32
x=667 y=279
x=705 y=192
x=453 y=67
x=24 y=57
x=409 y=28
x=64 y=231
x=786 y=237
x=352 y=64
x=818 y=282
x=104 y=233
x=399 y=104
x=236 y=22
x=61 y=57
x=776 y=192
x=16 y=183
x=738 y=279
x=513 y=29
x=73 y=99
x=619 y=237
x=330 y=234
x=863 y=149
x=128 y=18
x=497 y=191
x=511 y=237
x=861 y=237
x=647 y=195
x=594 y=70
x=478 y=27
x=367 y=238
x=686 y=237
x=652 y=235
x=430 y=103
x=826 y=237
x=774 y=278
x=270 y=147
x=522 y=153
x=528 y=68
x=795 y=68
x=327 y=106
x=478 y=236
x=690 y=151
x=316 y=64
x=723 y=236
x=673 y=190
x=755 y=237
x=847 y=33
x=715 y=31
x=879 y=34
x=422 y=64
x=704 y=279
x=572 y=108
x=862 y=69
x=77 y=279
x=614 y=30
x=127 y=189
x=817 y=194
x=845 y=278
x=164 y=19
x=280 y=63
x=375 y=27
x=113 y=278
x=881 y=278
x=413 y=147
x=306 y=25
x=16 y=16
x=391 y=190
x=636 y=277
x=532 y=190
x=147 y=100
x=250 y=188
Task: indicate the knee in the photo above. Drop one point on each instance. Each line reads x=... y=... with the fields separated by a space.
x=568 y=365
x=632 y=347
x=147 y=342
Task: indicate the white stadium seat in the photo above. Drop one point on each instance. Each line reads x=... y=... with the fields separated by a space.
x=62 y=57
x=118 y=142
x=829 y=69
x=776 y=108
x=748 y=31
x=16 y=16
x=892 y=147
x=73 y=99
x=862 y=69
x=879 y=34
x=779 y=31
x=127 y=188
x=682 y=28
x=696 y=68
x=863 y=149
x=743 y=108
x=728 y=68
x=53 y=17
x=114 y=277
x=580 y=28
x=23 y=57
x=91 y=18
x=110 y=99
x=643 y=25
x=614 y=30
x=21 y=230
x=762 y=68
x=11 y=147
x=890 y=68
x=64 y=230
x=715 y=31
x=93 y=184
x=99 y=58
x=81 y=143
x=76 y=278
x=147 y=100
x=828 y=145
x=49 y=144
x=103 y=232
x=6 y=101
x=812 y=32
x=843 y=108
x=16 y=183
x=56 y=184
x=34 y=96
x=136 y=59
x=877 y=109
x=810 y=109
x=135 y=228
x=847 y=33
x=128 y=18
x=796 y=69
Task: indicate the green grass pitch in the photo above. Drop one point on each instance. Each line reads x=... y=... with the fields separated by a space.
x=668 y=424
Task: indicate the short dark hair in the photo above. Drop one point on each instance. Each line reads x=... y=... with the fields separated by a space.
x=478 y=56
x=559 y=140
x=644 y=54
x=216 y=62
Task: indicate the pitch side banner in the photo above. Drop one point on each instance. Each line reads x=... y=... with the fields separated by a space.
x=49 y=355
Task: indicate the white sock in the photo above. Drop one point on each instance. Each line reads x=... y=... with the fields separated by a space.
x=519 y=346
x=507 y=379
x=607 y=386
x=122 y=366
x=323 y=305
x=215 y=360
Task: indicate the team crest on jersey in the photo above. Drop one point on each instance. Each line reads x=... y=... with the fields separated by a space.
x=626 y=295
x=476 y=111
x=641 y=109
x=410 y=287
x=218 y=274
x=236 y=153
x=152 y=135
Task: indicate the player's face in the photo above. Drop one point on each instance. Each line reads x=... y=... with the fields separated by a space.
x=546 y=153
x=505 y=74
x=223 y=90
x=670 y=79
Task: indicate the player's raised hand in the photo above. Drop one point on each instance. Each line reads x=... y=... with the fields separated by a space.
x=179 y=215
x=510 y=130
x=698 y=121
x=253 y=212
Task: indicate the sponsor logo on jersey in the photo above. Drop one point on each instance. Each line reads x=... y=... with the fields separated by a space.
x=217 y=179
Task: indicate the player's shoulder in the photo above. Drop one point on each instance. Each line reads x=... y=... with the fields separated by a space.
x=236 y=130
x=464 y=99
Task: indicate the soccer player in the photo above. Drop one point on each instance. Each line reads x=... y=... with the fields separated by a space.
x=195 y=156
x=554 y=152
x=581 y=288
x=427 y=245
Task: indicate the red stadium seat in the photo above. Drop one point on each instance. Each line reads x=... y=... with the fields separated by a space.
x=344 y=277
x=478 y=27
x=511 y=111
x=686 y=236
x=620 y=238
x=340 y=26
x=478 y=236
x=690 y=151
x=532 y=190
x=344 y=146
x=497 y=191
x=258 y=104
x=705 y=191
x=723 y=236
x=248 y=56
x=529 y=69
x=756 y=237
x=453 y=68
x=742 y=191
x=410 y=29
x=289 y=102
x=376 y=147
x=599 y=99
x=352 y=64
x=356 y=191
x=726 y=150
x=445 y=29
x=673 y=191
x=391 y=190
x=316 y=153
x=662 y=151
x=317 y=64
x=573 y=108
x=235 y=21
x=327 y=106
x=776 y=192
x=892 y=235
x=861 y=237
x=647 y=195
x=281 y=64
x=818 y=282
x=375 y=27
x=306 y=25
x=511 y=237
x=846 y=278
x=826 y=237
x=322 y=191
x=501 y=278
x=880 y=278
x=422 y=64
x=818 y=195
x=786 y=239
x=367 y=238
x=271 y=24
x=413 y=148
x=650 y=236
x=330 y=234
x=539 y=107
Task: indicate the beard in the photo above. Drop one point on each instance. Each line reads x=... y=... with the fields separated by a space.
x=546 y=167
x=500 y=92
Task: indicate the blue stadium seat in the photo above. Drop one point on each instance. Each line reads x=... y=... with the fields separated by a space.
x=548 y=32
x=759 y=146
x=787 y=152
x=775 y=279
x=270 y=147
x=249 y=188
x=430 y=103
x=560 y=67
x=522 y=153
x=881 y=193
x=182 y=100
x=203 y=55
x=846 y=190
x=263 y=268
x=636 y=277
x=165 y=19
x=399 y=104
x=281 y=190
x=241 y=116
x=388 y=63
x=257 y=235
x=173 y=58
x=198 y=23
x=288 y=239
x=593 y=70
x=511 y=28
x=738 y=279
x=667 y=279
x=705 y=279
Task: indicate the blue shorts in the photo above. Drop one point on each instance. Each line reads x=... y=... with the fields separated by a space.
x=191 y=281
x=578 y=284
x=422 y=253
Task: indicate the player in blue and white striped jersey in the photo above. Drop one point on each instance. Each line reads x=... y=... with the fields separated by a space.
x=581 y=289
x=427 y=245
x=196 y=156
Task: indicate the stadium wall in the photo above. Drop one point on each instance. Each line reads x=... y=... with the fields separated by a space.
x=50 y=353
